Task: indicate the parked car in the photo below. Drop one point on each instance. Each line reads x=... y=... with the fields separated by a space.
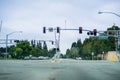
x=30 y=58
x=26 y=58
x=43 y=58
x=78 y=58
x=34 y=58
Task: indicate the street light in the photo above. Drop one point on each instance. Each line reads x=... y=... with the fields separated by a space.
x=116 y=15
x=109 y=13
x=7 y=40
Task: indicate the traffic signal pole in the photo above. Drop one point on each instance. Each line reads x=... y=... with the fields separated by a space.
x=57 y=43
x=80 y=29
x=57 y=39
x=57 y=31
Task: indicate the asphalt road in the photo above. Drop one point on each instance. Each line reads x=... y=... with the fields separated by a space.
x=59 y=70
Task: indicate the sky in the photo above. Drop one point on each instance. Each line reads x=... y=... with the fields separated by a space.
x=30 y=16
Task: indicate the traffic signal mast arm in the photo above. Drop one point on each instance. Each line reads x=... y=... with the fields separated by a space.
x=75 y=29
x=69 y=29
x=80 y=29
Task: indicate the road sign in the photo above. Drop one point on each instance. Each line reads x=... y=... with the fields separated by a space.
x=103 y=37
x=50 y=29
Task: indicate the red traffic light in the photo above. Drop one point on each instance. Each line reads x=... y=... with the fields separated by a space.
x=80 y=30
x=95 y=32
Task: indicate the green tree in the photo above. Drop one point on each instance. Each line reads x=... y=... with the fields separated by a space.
x=25 y=46
x=74 y=44
x=45 y=46
x=113 y=28
x=68 y=54
x=35 y=52
x=45 y=49
x=39 y=45
x=79 y=46
x=12 y=51
x=18 y=53
x=2 y=50
x=33 y=43
x=74 y=52
x=51 y=52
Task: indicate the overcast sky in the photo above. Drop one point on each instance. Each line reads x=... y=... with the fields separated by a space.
x=30 y=16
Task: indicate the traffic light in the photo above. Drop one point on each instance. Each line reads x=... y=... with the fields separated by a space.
x=16 y=41
x=52 y=42
x=58 y=29
x=95 y=32
x=50 y=29
x=90 y=33
x=58 y=49
x=80 y=30
x=44 y=29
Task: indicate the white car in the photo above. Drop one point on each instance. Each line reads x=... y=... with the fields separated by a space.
x=27 y=58
x=43 y=58
x=78 y=58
